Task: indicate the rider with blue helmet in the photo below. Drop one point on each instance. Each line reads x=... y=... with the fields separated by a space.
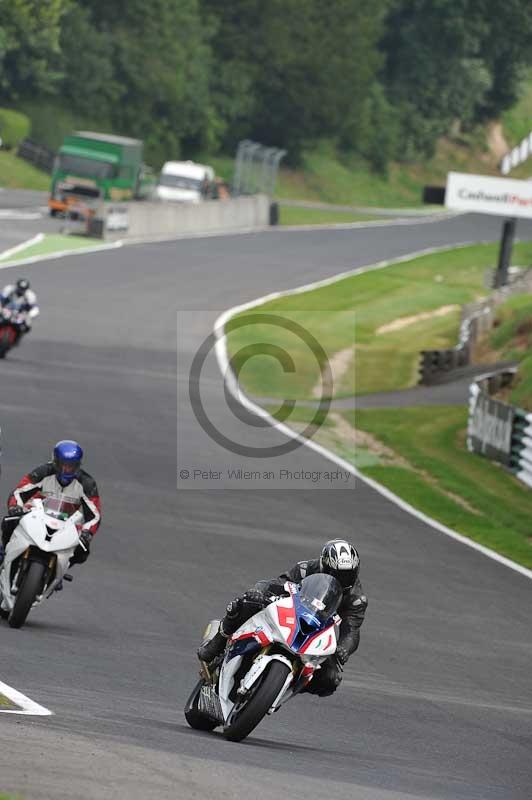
x=64 y=479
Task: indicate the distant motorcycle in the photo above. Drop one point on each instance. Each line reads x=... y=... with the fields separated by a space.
x=12 y=326
x=271 y=658
x=37 y=556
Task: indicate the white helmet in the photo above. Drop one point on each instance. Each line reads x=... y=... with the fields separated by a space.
x=340 y=559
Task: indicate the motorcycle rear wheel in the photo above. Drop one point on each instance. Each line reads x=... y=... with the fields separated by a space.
x=195 y=718
x=271 y=683
x=32 y=585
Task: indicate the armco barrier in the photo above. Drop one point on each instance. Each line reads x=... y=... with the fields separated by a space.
x=477 y=321
x=497 y=430
x=153 y=219
x=521 y=457
x=37 y=154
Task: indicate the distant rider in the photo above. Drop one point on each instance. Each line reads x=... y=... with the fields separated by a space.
x=61 y=478
x=338 y=558
x=22 y=299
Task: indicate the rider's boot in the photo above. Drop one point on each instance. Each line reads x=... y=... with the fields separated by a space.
x=213 y=647
x=233 y=619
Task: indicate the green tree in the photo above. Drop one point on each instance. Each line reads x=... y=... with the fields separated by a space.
x=30 y=58
x=452 y=60
x=506 y=49
x=433 y=73
x=306 y=67
x=154 y=71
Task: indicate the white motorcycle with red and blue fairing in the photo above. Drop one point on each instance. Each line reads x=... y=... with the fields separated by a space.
x=38 y=555
x=12 y=326
x=271 y=658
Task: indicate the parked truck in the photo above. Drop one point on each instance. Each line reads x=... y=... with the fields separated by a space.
x=91 y=167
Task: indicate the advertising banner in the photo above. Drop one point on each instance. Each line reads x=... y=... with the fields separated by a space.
x=117 y=218
x=504 y=197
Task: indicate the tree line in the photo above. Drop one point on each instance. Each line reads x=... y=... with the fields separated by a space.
x=383 y=79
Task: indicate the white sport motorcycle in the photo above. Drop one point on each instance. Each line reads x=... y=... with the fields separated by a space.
x=37 y=556
x=271 y=658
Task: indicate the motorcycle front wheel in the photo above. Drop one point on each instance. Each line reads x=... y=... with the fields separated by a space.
x=31 y=587
x=244 y=720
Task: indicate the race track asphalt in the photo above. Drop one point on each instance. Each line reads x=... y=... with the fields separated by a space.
x=437 y=703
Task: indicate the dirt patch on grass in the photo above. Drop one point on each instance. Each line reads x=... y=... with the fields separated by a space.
x=404 y=322
x=339 y=364
x=346 y=433
x=496 y=140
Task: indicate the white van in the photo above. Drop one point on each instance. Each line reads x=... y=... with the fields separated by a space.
x=184 y=181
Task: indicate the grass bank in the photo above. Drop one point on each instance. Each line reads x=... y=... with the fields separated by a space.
x=15 y=173
x=383 y=318
x=512 y=340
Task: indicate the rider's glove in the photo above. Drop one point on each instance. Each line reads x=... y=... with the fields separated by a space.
x=85 y=538
x=255 y=597
x=342 y=654
x=15 y=511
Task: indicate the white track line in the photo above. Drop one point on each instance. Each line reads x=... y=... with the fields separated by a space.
x=233 y=386
x=17 y=214
x=22 y=246
x=25 y=705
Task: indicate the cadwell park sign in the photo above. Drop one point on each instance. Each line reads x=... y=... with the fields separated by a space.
x=504 y=197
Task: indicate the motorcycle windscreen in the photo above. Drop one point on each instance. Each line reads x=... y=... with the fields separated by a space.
x=60 y=507
x=321 y=595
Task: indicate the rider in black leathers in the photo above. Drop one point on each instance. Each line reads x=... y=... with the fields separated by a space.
x=338 y=558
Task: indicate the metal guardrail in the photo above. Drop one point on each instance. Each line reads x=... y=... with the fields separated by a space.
x=477 y=320
x=497 y=430
x=435 y=363
x=37 y=154
x=256 y=168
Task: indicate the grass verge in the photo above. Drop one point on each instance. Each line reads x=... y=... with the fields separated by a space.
x=15 y=173
x=349 y=313
x=420 y=455
x=315 y=216
x=5 y=702
x=441 y=478
x=52 y=243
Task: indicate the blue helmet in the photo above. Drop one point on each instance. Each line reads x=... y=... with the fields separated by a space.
x=67 y=461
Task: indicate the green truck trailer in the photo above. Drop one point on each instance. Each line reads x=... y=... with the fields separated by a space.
x=90 y=167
